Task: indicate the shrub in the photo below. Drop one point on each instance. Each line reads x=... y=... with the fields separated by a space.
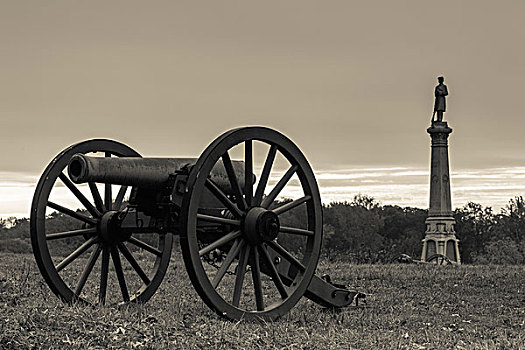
x=15 y=245
x=502 y=251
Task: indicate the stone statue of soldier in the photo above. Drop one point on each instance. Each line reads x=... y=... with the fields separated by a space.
x=440 y=104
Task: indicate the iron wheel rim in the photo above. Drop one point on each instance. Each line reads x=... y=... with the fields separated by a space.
x=39 y=242
x=190 y=242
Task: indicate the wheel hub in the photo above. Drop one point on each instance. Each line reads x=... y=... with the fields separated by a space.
x=260 y=225
x=109 y=228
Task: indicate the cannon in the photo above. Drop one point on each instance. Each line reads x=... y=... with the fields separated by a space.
x=249 y=253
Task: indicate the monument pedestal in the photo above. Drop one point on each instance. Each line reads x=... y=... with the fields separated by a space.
x=440 y=238
x=440 y=235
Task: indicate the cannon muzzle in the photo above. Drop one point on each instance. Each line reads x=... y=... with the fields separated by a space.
x=143 y=172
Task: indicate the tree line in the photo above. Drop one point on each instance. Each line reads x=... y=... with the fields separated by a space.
x=364 y=231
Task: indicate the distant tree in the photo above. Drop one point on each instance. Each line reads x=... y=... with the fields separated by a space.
x=403 y=229
x=511 y=222
x=361 y=230
x=365 y=201
x=355 y=230
x=515 y=208
x=474 y=227
x=502 y=251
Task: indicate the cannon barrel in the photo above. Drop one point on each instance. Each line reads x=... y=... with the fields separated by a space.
x=143 y=172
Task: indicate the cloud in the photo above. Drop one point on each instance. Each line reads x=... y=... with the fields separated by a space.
x=394 y=186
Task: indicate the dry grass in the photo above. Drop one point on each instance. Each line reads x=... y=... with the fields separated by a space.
x=410 y=307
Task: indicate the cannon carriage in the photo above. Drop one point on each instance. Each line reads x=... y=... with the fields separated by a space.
x=247 y=253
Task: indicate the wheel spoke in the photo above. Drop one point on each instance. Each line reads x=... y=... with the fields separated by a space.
x=72 y=213
x=120 y=274
x=256 y=276
x=120 y=197
x=221 y=196
x=96 y=196
x=76 y=253
x=248 y=172
x=218 y=220
x=107 y=191
x=239 y=276
x=279 y=186
x=107 y=197
x=286 y=255
x=221 y=241
x=144 y=245
x=236 y=188
x=79 y=195
x=232 y=254
x=274 y=274
x=290 y=205
x=296 y=231
x=103 y=276
x=259 y=192
x=65 y=234
x=129 y=257
x=87 y=270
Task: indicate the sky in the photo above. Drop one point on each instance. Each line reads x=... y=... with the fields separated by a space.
x=350 y=82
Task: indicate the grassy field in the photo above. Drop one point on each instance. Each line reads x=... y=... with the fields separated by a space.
x=408 y=307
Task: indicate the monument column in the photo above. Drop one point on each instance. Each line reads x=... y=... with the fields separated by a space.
x=440 y=235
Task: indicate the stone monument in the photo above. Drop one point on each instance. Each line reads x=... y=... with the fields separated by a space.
x=440 y=236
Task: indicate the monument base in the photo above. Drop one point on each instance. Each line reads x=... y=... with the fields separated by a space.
x=440 y=238
x=442 y=244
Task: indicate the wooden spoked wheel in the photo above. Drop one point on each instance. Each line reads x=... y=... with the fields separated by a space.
x=439 y=259
x=258 y=233
x=73 y=247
